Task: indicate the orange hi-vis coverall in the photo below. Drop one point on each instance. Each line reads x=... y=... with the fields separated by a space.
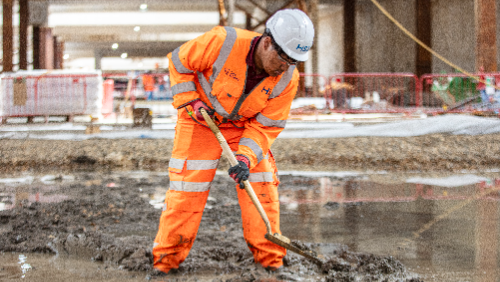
x=212 y=68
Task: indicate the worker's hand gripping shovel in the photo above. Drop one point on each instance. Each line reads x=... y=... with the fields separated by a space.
x=276 y=238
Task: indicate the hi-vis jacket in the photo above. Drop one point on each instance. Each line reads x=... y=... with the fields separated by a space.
x=213 y=68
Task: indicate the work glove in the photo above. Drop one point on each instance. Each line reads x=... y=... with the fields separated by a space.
x=240 y=172
x=197 y=105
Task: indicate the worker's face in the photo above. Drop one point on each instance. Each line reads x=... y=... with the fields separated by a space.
x=275 y=63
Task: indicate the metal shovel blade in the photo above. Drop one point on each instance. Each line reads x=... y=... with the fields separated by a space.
x=285 y=243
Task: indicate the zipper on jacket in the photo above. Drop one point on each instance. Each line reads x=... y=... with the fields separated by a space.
x=243 y=96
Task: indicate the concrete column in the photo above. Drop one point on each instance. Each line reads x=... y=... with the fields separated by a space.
x=301 y=4
x=222 y=14
x=314 y=51
x=230 y=12
x=486 y=40
x=23 y=34
x=36 y=47
x=8 y=36
x=424 y=34
x=38 y=12
x=46 y=48
x=248 y=21
x=98 y=58
x=350 y=36
x=58 y=53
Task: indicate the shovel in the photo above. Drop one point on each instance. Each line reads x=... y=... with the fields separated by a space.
x=276 y=238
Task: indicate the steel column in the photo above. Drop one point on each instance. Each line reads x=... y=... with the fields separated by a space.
x=486 y=40
x=424 y=34
x=8 y=36
x=23 y=34
x=46 y=48
x=350 y=36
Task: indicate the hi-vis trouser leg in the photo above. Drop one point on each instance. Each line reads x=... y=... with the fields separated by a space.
x=191 y=169
x=264 y=181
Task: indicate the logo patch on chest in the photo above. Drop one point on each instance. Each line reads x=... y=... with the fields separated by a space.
x=267 y=90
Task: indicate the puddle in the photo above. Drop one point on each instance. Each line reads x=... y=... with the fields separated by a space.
x=444 y=232
x=444 y=228
x=48 y=268
x=34 y=189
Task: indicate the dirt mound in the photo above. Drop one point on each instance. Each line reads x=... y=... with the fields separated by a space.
x=437 y=152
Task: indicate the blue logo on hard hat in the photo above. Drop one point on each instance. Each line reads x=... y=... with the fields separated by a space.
x=302 y=48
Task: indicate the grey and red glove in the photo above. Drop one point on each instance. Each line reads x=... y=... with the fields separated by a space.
x=197 y=105
x=240 y=172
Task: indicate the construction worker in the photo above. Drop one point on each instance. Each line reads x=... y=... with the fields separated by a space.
x=247 y=82
x=148 y=82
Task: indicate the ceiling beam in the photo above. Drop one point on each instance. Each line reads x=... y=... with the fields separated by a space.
x=288 y=4
x=260 y=7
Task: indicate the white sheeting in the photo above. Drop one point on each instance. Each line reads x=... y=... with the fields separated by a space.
x=449 y=124
x=452 y=181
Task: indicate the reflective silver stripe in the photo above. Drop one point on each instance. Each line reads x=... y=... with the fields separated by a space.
x=206 y=85
x=202 y=164
x=183 y=87
x=164 y=207
x=207 y=88
x=281 y=85
x=265 y=121
x=177 y=62
x=261 y=177
x=190 y=186
x=224 y=52
x=176 y=163
x=254 y=146
x=155 y=244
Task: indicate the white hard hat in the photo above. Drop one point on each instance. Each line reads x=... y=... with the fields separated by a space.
x=293 y=31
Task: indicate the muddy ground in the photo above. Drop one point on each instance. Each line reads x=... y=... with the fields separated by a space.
x=112 y=224
x=116 y=224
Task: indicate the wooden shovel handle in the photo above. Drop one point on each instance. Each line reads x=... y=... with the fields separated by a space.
x=228 y=153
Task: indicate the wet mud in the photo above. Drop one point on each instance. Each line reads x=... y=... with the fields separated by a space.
x=114 y=218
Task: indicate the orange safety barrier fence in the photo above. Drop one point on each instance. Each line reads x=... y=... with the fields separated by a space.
x=374 y=92
x=50 y=95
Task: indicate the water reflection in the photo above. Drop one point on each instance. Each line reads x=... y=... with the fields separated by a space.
x=25 y=267
x=21 y=196
x=431 y=228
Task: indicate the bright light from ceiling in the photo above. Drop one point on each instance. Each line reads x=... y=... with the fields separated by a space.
x=66 y=56
x=124 y=55
x=139 y=19
x=114 y=46
x=137 y=28
x=143 y=6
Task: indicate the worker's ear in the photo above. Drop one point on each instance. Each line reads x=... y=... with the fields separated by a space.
x=267 y=43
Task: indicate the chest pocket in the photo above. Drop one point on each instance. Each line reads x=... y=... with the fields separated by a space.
x=228 y=91
x=255 y=102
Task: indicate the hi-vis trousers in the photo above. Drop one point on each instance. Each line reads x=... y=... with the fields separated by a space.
x=194 y=161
